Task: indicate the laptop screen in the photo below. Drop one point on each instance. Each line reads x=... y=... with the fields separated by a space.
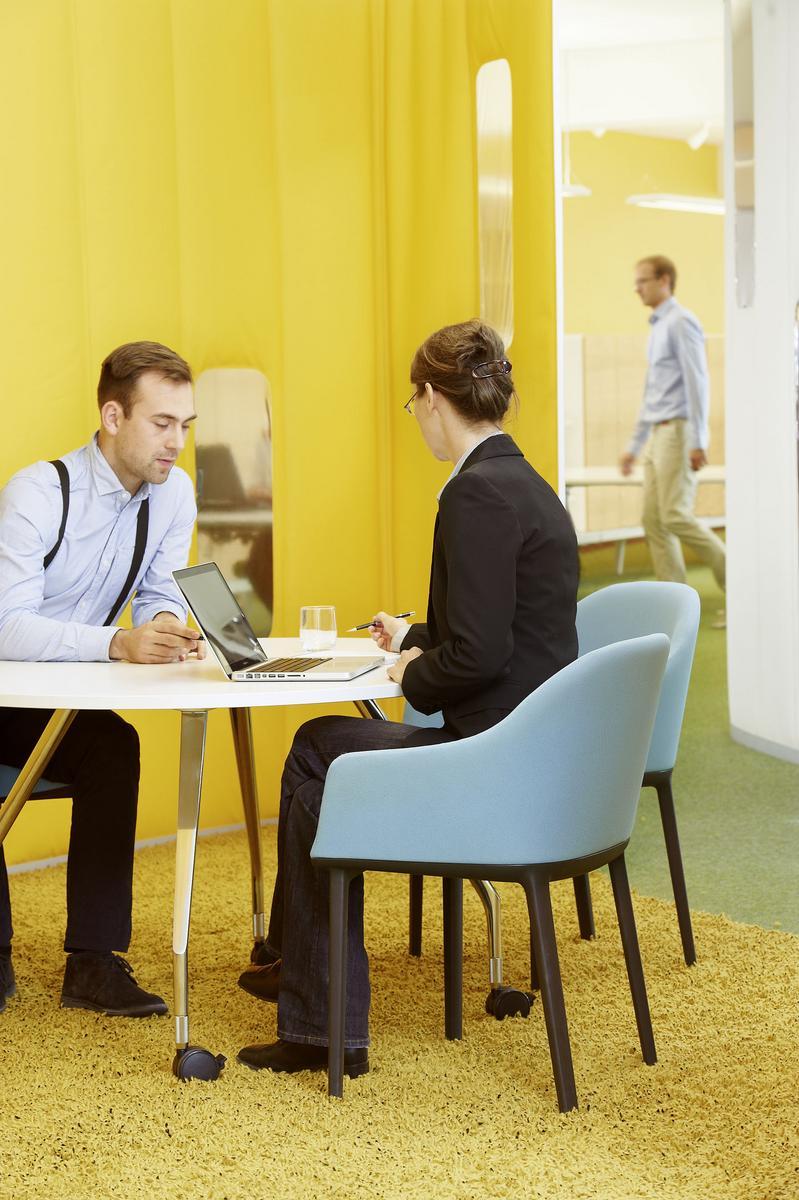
x=220 y=617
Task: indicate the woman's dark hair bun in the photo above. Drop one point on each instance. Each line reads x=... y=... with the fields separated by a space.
x=467 y=364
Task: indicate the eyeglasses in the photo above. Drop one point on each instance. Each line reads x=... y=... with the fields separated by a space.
x=408 y=405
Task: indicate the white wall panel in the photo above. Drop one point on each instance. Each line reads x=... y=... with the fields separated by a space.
x=763 y=488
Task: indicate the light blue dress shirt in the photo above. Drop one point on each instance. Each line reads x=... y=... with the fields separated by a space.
x=57 y=615
x=677 y=383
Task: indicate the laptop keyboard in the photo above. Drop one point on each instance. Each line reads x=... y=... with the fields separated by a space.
x=291 y=664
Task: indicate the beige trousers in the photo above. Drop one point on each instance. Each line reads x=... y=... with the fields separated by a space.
x=668 y=518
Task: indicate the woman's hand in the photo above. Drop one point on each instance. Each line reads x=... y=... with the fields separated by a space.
x=396 y=672
x=383 y=628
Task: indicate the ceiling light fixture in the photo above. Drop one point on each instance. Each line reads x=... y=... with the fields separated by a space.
x=710 y=205
x=569 y=189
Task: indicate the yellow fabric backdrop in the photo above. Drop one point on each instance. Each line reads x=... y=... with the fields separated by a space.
x=287 y=185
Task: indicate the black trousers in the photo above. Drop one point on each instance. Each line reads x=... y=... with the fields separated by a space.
x=98 y=759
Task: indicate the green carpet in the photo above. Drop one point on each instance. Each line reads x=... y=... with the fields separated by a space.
x=90 y=1110
x=737 y=810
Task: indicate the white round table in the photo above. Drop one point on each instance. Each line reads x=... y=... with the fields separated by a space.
x=191 y=688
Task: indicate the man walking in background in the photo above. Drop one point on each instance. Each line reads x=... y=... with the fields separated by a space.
x=675 y=413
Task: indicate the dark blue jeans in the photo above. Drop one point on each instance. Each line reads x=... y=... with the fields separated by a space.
x=298 y=925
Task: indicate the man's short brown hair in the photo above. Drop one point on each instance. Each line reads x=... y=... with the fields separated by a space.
x=661 y=266
x=122 y=367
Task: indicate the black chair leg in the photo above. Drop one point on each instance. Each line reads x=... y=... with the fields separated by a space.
x=535 y=983
x=632 y=957
x=453 y=958
x=415 y=904
x=585 y=909
x=337 y=993
x=542 y=932
x=669 y=820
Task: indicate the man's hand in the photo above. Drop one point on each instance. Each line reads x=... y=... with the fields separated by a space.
x=397 y=670
x=165 y=639
x=383 y=628
x=697 y=459
x=626 y=463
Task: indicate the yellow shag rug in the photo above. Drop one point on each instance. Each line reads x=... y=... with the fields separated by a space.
x=89 y=1107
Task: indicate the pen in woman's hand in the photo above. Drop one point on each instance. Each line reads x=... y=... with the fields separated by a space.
x=378 y=624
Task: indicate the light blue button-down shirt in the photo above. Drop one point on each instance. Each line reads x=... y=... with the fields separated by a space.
x=677 y=383
x=57 y=615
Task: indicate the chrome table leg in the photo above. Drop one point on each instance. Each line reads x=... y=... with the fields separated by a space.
x=190 y=1062
x=241 y=724
x=502 y=1001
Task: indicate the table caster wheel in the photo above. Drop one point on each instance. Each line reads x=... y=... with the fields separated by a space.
x=194 y=1062
x=504 y=1002
x=261 y=955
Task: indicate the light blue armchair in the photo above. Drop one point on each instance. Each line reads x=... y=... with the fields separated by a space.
x=44 y=790
x=628 y=610
x=502 y=1000
x=549 y=793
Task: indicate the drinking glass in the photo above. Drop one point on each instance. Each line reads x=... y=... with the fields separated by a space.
x=317 y=627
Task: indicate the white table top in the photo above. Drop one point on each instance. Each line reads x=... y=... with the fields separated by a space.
x=187 y=685
x=605 y=476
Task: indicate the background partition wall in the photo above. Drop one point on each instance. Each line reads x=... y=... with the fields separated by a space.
x=763 y=374
x=290 y=188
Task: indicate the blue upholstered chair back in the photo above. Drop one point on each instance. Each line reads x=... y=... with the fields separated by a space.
x=631 y=610
x=411 y=717
x=558 y=779
x=8 y=777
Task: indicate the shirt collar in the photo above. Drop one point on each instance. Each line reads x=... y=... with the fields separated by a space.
x=664 y=307
x=465 y=455
x=106 y=480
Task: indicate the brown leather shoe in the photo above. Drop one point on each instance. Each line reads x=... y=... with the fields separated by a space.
x=291 y=1057
x=104 y=983
x=263 y=982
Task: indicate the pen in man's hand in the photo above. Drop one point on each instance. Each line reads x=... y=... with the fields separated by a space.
x=378 y=624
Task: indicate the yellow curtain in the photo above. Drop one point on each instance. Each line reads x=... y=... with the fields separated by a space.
x=283 y=185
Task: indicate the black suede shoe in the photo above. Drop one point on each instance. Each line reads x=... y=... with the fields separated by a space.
x=298 y=1056
x=263 y=982
x=8 y=984
x=104 y=983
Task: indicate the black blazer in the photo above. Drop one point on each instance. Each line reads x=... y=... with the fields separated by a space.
x=503 y=592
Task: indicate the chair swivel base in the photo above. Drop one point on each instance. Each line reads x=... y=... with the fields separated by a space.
x=261 y=955
x=505 y=1001
x=195 y=1062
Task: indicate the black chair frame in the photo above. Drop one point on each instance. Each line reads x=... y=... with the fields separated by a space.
x=535 y=878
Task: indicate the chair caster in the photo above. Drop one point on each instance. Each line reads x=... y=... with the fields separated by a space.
x=504 y=1002
x=193 y=1062
x=261 y=955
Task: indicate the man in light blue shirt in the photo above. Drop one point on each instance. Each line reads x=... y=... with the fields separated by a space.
x=674 y=420
x=77 y=539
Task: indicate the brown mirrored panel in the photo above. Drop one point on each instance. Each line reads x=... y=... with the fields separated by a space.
x=233 y=448
x=495 y=195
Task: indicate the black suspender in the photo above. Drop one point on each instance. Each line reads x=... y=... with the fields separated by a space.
x=142 y=523
x=142 y=526
x=63 y=479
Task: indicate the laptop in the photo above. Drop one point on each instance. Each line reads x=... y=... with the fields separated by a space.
x=238 y=650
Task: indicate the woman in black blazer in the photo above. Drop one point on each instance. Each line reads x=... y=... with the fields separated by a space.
x=500 y=621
